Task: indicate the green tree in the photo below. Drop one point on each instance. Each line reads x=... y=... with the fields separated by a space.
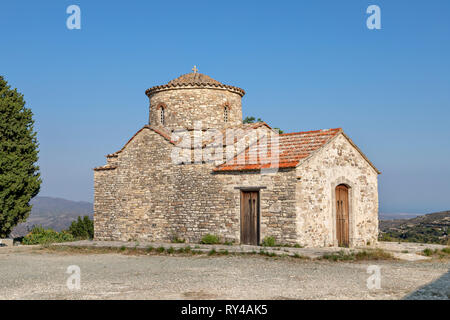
x=83 y=228
x=252 y=120
x=19 y=175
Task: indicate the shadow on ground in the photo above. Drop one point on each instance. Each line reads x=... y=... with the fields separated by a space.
x=436 y=290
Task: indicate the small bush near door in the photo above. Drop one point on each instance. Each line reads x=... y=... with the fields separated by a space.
x=175 y=239
x=268 y=242
x=210 y=239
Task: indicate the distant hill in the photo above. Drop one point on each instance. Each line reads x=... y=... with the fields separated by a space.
x=428 y=228
x=395 y=216
x=55 y=213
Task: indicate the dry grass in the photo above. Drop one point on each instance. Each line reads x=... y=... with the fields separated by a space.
x=364 y=255
x=80 y=250
x=184 y=251
x=439 y=254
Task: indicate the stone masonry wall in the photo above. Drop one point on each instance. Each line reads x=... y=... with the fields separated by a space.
x=127 y=201
x=150 y=198
x=337 y=163
x=147 y=197
x=277 y=202
x=185 y=106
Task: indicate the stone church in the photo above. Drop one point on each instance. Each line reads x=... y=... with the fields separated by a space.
x=197 y=169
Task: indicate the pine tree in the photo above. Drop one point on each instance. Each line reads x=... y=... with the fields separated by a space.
x=19 y=175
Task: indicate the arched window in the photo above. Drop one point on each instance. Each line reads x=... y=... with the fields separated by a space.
x=225 y=114
x=162 y=111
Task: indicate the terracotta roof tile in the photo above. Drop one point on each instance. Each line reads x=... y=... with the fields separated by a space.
x=194 y=80
x=105 y=167
x=292 y=148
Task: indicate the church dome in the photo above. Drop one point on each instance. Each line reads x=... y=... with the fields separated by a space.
x=194 y=80
x=195 y=98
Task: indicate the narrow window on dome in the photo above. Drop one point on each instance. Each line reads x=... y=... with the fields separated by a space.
x=162 y=115
x=225 y=114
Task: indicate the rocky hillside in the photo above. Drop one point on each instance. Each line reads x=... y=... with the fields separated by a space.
x=55 y=213
x=428 y=228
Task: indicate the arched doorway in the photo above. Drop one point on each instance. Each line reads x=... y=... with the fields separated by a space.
x=342 y=215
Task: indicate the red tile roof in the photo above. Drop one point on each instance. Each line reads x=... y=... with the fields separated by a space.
x=196 y=80
x=292 y=148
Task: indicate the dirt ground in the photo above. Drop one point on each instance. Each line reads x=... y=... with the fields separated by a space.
x=34 y=273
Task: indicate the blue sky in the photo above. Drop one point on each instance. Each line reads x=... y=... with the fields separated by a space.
x=305 y=65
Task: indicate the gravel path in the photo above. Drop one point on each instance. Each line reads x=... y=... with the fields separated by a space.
x=32 y=273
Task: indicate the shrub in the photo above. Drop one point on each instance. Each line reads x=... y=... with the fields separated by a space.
x=210 y=239
x=418 y=233
x=170 y=250
x=267 y=253
x=82 y=228
x=442 y=253
x=161 y=249
x=339 y=256
x=178 y=240
x=212 y=252
x=269 y=242
x=377 y=254
x=385 y=237
x=39 y=235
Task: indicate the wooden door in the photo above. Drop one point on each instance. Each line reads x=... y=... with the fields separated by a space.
x=342 y=215
x=250 y=217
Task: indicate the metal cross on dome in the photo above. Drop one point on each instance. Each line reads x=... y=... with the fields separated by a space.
x=195 y=69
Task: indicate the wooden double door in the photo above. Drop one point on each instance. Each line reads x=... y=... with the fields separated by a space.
x=250 y=217
x=342 y=216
